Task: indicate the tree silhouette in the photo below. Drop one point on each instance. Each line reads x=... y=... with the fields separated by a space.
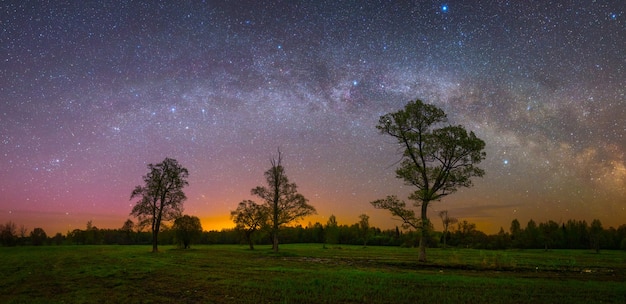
x=281 y=198
x=162 y=196
x=8 y=234
x=128 y=229
x=437 y=160
x=364 y=228
x=331 y=231
x=531 y=235
x=187 y=229
x=548 y=233
x=446 y=220
x=38 y=236
x=516 y=234
x=249 y=217
x=595 y=234
x=23 y=231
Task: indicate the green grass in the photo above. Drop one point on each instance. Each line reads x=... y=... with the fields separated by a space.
x=306 y=273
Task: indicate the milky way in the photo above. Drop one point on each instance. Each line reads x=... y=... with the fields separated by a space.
x=91 y=92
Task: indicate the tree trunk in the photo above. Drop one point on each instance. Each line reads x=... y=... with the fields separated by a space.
x=275 y=242
x=275 y=226
x=422 y=249
x=424 y=233
x=249 y=239
x=155 y=234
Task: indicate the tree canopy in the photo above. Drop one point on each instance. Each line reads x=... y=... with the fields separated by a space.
x=188 y=229
x=249 y=217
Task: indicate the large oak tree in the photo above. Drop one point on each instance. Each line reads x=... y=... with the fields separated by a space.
x=161 y=197
x=437 y=159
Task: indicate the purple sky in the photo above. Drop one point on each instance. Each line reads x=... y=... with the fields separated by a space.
x=91 y=92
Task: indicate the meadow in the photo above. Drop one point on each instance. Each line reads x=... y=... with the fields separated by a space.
x=307 y=273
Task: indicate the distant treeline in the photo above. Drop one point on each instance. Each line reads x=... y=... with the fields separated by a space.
x=572 y=234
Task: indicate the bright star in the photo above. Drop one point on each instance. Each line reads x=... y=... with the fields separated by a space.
x=444 y=8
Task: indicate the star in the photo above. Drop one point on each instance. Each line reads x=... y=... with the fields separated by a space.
x=90 y=97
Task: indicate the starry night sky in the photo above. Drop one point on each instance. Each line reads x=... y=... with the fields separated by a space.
x=93 y=91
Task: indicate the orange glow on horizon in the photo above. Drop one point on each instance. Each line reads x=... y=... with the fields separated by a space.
x=216 y=222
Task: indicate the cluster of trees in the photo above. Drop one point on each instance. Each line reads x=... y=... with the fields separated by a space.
x=573 y=234
x=10 y=235
x=437 y=159
x=161 y=200
x=184 y=231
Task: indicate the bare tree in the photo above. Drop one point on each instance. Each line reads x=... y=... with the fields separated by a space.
x=437 y=160
x=446 y=220
x=23 y=231
x=23 y=234
x=281 y=198
x=249 y=217
x=162 y=196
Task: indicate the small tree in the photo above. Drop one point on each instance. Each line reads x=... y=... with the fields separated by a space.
x=531 y=235
x=281 y=198
x=58 y=238
x=8 y=234
x=516 y=234
x=187 y=229
x=437 y=159
x=331 y=231
x=466 y=233
x=161 y=197
x=446 y=220
x=364 y=228
x=23 y=235
x=249 y=217
x=38 y=236
x=595 y=234
x=548 y=233
x=128 y=229
x=92 y=234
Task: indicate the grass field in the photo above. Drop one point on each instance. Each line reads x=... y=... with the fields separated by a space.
x=307 y=273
